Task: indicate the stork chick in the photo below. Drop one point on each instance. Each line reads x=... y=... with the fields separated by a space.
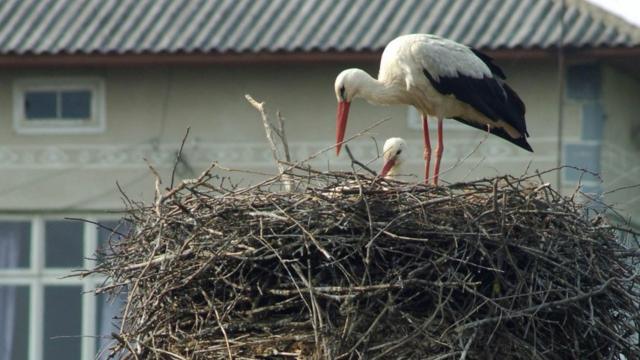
x=393 y=153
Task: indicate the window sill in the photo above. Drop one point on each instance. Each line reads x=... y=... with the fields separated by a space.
x=60 y=129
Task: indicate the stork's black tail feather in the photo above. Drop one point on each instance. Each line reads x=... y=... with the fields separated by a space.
x=521 y=141
x=517 y=109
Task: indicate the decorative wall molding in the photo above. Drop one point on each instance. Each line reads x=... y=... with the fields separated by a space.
x=621 y=169
x=245 y=155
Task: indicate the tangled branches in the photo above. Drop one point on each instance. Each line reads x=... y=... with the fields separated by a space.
x=351 y=267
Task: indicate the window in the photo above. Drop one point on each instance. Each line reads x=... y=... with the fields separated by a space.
x=44 y=316
x=58 y=106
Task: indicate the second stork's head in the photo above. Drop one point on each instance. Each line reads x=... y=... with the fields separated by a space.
x=347 y=86
x=393 y=153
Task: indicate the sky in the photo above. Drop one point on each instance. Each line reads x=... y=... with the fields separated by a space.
x=627 y=9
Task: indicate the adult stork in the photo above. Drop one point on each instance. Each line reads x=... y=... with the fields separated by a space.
x=440 y=78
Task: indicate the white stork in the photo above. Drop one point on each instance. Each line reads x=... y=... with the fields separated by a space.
x=393 y=157
x=440 y=78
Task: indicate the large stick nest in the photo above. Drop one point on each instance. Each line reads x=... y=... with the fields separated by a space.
x=501 y=268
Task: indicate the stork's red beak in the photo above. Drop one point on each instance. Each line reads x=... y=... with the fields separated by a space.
x=341 y=123
x=387 y=166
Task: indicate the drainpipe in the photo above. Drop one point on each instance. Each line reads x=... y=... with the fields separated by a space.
x=561 y=81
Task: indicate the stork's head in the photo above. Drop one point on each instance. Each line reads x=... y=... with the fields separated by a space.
x=347 y=86
x=393 y=156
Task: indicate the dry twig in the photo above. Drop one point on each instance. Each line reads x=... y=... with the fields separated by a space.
x=269 y=129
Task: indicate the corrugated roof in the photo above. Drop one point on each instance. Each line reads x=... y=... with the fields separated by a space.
x=206 y=26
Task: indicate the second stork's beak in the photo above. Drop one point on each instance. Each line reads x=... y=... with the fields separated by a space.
x=388 y=164
x=341 y=123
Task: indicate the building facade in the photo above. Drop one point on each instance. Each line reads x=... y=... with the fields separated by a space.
x=89 y=90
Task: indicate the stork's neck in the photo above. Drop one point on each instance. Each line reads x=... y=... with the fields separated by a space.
x=375 y=91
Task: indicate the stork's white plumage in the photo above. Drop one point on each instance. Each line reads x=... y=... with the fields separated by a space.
x=393 y=153
x=441 y=78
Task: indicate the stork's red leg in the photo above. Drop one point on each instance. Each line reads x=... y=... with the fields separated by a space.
x=439 y=150
x=427 y=147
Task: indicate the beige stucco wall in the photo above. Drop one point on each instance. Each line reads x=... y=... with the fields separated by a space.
x=149 y=109
x=621 y=142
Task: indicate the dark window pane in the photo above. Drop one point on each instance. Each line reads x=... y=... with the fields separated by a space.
x=40 y=105
x=62 y=322
x=15 y=244
x=109 y=233
x=109 y=230
x=63 y=243
x=108 y=314
x=76 y=104
x=14 y=322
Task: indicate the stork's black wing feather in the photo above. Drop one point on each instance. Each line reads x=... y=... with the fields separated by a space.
x=488 y=60
x=489 y=95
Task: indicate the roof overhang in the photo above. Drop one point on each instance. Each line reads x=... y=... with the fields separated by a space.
x=146 y=59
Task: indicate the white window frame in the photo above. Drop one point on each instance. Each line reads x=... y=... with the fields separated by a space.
x=37 y=276
x=95 y=124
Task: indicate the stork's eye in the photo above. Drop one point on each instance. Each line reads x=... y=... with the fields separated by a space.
x=399 y=151
x=342 y=93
